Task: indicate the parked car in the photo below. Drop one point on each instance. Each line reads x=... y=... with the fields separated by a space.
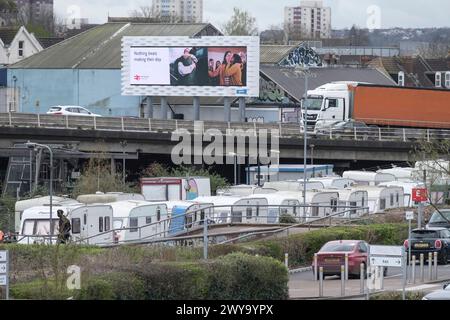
x=347 y=129
x=71 y=111
x=440 y=219
x=443 y=294
x=332 y=256
x=430 y=240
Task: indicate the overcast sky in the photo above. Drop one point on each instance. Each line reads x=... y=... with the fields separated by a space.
x=345 y=13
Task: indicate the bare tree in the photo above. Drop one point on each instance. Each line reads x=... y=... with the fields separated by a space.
x=241 y=23
x=146 y=14
x=143 y=12
x=274 y=35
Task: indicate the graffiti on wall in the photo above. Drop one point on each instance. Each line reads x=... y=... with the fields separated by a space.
x=270 y=92
x=302 y=56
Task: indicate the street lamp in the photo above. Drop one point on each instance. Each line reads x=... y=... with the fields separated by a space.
x=234 y=155
x=312 y=154
x=32 y=145
x=305 y=131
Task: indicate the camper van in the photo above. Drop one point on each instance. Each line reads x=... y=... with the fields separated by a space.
x=222 y=207
x=382 y=198
x=368 y=178
x=35 y=223
x=353 y=198
x=175 y=189
x=21 y=206
x=333 y=182
x=264 y=208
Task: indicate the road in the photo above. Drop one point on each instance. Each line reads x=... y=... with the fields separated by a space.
x=303 y=286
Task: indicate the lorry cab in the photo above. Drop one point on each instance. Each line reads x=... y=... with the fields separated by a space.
x=328 y=104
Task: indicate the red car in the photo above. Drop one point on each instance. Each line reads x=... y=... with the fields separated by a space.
x=332 y=256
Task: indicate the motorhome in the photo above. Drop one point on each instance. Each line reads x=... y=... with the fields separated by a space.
x=333 y=182
x=35 y=223
x=382 y=198
x=22 y=205
x=175 y=189
x=368 y=178
x=264 y=208
x=222 y=207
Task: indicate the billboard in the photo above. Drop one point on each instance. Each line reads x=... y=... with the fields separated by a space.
x=183 y=66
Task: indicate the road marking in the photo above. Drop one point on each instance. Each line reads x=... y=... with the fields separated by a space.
x=422 y=287
x=394 y=276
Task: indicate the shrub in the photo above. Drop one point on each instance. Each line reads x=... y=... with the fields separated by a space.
x=287 y=218
x=393 y=295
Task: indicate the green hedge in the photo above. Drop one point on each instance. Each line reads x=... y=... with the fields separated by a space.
x=233 y=277
x=301 y=247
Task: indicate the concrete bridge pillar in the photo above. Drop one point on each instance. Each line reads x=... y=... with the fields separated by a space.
x=149 y=108
x=196 y=108
x=164 y=107
x=227 y=109
x=242 y=114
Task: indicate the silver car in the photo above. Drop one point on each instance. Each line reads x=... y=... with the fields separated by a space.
x=443 y=294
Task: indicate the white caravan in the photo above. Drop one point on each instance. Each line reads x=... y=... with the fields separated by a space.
x=320 y=203
x=109 y=197
x=21 y=206
x=134 y=217
x=408 y=187
x=383 y=198
x=334 y=182
x=222 y=207
x=92 y=224
x=401 y=174
x=238 y=191
x=353 y=198
x=368 y=178
x=294 y=186
x=186 y=215
x=175 y=189
x=35 y=223
x=264 y=208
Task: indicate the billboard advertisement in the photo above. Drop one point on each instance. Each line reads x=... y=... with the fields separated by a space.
x=210 y=66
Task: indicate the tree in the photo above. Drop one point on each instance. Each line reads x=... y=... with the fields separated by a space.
x=358 y=37
x=433 y=167
x=148 y=15
x=274 y=35
x=241 y=24
x=97 y=176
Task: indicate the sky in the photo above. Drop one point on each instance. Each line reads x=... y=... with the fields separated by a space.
x=345 y=13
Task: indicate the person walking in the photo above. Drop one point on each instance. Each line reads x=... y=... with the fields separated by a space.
x=64 y=228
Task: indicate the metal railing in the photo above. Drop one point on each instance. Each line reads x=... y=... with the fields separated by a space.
x=285 y=130
x=192 y=221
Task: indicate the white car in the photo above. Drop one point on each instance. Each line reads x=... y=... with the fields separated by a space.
x=71 y=111
x=443 y=294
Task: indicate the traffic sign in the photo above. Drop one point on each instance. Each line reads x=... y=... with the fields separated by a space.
x=3 y=280
x=395 y=251
x=409 y=215
x=3 y=268
x=3 y=256
x=419 y=194
x=386 y=262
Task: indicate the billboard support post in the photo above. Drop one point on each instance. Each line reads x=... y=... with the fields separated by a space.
x=164 y=108
x=196 y=108
x=149 y=107
x=242 y=109
x=227 y=109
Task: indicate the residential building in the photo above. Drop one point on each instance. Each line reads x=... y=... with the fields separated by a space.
x=310 y=20
x=17 y=44
x=178 y=10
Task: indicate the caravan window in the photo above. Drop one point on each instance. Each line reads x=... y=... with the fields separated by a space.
x=148 y=220
x=353 y=211
x=382 y=204
x=392 y=200
x=107 y=223
x=249 y=213
x=398 y=198
x=202 y=215
x=134 y=224
x=334 y=204
x=100 y=224
x=76 y=226
x=28 y=227
x=315 y=211
x=158 y=215
x=85 y=219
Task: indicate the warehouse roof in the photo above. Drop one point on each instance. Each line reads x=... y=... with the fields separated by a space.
x=273 y=54
x=100 y=47
x=294 y=84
